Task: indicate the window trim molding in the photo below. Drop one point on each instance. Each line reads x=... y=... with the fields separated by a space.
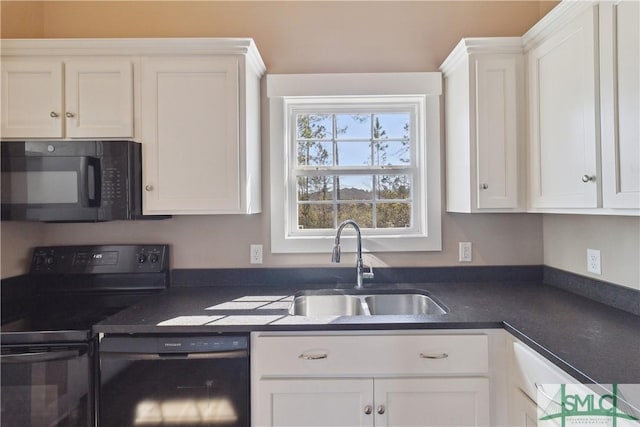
x=415 y=103
x=428 y=85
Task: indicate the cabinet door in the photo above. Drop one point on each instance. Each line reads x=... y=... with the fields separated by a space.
x=431 y=402
x=190 y=135
x=99 y=98
x=620 y=103
x=497 y=112
x=563 y=94
x=31 y=99
x=313 y=402
x=523 y=411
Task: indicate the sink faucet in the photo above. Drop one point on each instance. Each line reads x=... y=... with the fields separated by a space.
x=335 y=257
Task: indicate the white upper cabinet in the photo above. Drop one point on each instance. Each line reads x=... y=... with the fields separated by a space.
x=484 y=108
x=66 y=98
x=620 y=103
x=32 y=99
x=201 y=131
x=584 y=109
x=563 y=121
x=550 y=121
x=99 y=98
x=194 y=104
x=190 y=127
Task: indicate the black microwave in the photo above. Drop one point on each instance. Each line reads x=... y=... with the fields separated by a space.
x=71 y=181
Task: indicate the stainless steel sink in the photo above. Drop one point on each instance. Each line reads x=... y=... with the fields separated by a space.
x=339 y=303
x=326 y=305
x=390 y=304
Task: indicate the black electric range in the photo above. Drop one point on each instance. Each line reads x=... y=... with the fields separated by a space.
x=48 y=350
x=72 y=288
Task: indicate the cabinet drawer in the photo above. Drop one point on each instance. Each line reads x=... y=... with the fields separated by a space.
x=328 y=355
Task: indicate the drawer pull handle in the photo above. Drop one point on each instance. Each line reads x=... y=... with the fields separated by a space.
x=313 y=356
x=545 y=394
x=433 y=355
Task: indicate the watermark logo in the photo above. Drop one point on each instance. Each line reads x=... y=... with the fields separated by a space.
x=574 y=405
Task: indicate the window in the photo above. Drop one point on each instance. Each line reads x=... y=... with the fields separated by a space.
x=371 y=154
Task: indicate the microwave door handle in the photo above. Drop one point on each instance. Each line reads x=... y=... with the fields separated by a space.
x=94 y=182
x=45 y=356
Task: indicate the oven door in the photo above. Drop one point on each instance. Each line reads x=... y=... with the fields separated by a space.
x=46 y=385
x=198 y=382
x=50 y=188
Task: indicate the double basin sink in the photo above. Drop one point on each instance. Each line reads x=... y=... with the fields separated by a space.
x=340 y=302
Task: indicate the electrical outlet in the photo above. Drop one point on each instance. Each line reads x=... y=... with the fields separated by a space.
x=464 y=252
x=255 y=254
x=593 y=261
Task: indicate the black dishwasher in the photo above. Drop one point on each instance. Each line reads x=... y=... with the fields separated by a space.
x=181 y=381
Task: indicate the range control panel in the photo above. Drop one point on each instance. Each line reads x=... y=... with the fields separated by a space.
x=100 y=259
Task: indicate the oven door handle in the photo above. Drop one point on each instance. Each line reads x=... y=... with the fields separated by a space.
x=173 y=356
x=44 y=356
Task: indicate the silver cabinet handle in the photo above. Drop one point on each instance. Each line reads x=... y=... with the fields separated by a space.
x=433 y=355
x=313 y=356
x=545 y=394
x=148 y=187
x=588 y=178
x=484 y=186
x=380 y=409
x=53 y=114
x=368 y=410
x=69 y=115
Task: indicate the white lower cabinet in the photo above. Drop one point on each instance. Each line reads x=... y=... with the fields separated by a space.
x=405 y=379
x=431 y=402
x=298 y=402
x=524 y=412
x=534 y=383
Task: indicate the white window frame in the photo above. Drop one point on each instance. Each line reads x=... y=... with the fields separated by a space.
x=422 y=90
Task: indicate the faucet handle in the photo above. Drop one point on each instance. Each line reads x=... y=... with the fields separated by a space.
x=368 y=274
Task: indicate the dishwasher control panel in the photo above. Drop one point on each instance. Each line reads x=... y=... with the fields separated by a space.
x=177 y=344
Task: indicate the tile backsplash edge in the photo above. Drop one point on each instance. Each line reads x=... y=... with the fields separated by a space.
x=346 y=275
x=617 y=296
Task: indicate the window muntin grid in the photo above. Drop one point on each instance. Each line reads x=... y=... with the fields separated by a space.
x=355 y=163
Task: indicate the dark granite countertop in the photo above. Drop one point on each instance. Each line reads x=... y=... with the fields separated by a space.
x=591 y=341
